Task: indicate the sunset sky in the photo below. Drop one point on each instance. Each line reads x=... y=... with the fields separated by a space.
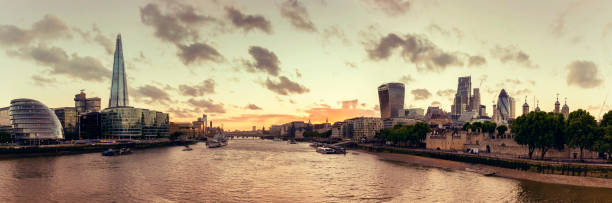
x=262 y=62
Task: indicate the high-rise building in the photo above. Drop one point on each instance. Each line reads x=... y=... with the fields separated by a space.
x=119 y=90
x=462 y=97
x=482 y=111
x=5 y=119
x=475 y=100
x=391 y=97
x=503 y=106
x=512 y=108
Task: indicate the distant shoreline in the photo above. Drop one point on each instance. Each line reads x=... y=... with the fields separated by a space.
x=585 y=180
x=58 y=150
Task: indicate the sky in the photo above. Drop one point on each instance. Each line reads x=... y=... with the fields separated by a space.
x=264 y=62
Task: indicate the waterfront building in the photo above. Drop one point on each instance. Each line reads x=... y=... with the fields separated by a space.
x=462 y=97
x=363 y=129
x=84 y=105
x=199 y=127
x=186 y=128
x=119 y=93
x=33 y=122
x=90 y=125
x=391 y=98
x=392 y=122
x=130 y=122
x=68 y=118
x=565 y=110
x=337 y=130
x=5 y=119
x=275 y=130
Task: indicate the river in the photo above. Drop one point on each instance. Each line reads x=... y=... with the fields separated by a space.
x=260 y=171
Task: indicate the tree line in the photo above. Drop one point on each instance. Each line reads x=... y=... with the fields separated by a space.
x=545 y=131
x=486 y=127
x=408 y=135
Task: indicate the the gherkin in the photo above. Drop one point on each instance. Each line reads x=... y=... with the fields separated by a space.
x=119 y=92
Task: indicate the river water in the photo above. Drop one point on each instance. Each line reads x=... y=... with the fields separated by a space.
x=260 y=171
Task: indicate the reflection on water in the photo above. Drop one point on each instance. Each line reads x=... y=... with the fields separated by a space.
x=258 y=170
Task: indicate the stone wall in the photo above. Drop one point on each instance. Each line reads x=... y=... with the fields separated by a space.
x=463 y=140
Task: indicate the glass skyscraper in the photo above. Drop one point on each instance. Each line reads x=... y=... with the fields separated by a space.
x=391 y=97
x=119 y=93
x=503 y=105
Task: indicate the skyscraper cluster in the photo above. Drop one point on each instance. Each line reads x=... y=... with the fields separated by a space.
x=465 y=101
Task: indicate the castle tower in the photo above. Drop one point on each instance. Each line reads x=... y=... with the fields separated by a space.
x=557 y=104
x=565 y=110
x=537 y=109
x=525 y=107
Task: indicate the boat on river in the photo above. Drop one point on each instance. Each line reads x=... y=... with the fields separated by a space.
x=116 y=152
x=187 y=148
x=331 y=150
x=292 y=142
x=219 y=140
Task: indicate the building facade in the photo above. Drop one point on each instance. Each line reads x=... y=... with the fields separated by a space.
x=68 y=118
x=503 y=106
x=462 y=97
x=119 y=90
x=391 y=98
x=33 y=122
x=84 y=105
x=363 y=129
x=90 y=125
x=133 y=123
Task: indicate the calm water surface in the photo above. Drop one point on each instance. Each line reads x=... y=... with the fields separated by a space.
x=260 y=171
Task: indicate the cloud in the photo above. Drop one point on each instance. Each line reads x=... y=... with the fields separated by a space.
x=150 y=94
x=285 y=86
x=435 y=104
x=205 y=87
x=350 y=64
x=182 y=112
x=179 y=23
x=406 y=79
x=197 y=53
x=248 y=22
x=583 y=74
x=265 y=61
x=512 y=54
x=50 y=27
x=416 y=49
x=476 y=61
x=421 y=94
x=446 y=93
x=391 y=7
x=208 y=105
x=253 y=107
x=335 y=31
x=43 y=81
x=58 y=62
x=297 y=14
x=349 y=109
x=433 y=28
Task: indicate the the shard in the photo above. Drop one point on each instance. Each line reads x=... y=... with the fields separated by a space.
x=119 y=92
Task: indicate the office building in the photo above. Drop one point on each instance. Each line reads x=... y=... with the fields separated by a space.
x=362 y=129
x=68 y=118
x=391 y=98
x=5 y=119
x=462 y=97
x=130 y=122
x=119 y=89
x=90 y=125
x=33 y=122
x=86 y=105
x=503 y=106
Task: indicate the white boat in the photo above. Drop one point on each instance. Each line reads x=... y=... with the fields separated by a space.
x=325 y=150
x=219 y=140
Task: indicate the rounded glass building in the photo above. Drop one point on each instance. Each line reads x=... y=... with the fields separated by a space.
x=32 y=120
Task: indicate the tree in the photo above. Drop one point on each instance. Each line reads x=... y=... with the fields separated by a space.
x=489 y=127
x=501 y=130
x=467 y=126
x=604 y=143
x=581 y=130
x=522 y=132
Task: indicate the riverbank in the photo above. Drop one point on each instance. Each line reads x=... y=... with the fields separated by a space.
x=555 y=173
x=9 y=152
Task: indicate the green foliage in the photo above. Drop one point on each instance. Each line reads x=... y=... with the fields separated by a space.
x=606 y=120
x=582 y=130
x=501 y=130
x=539 y=130
x=604 y=143
x=413 y=134
x=488 y=127
x=315 y=134
x=467 y=126
x=5 y=137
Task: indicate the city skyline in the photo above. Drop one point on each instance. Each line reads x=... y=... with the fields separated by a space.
x=216 y=52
